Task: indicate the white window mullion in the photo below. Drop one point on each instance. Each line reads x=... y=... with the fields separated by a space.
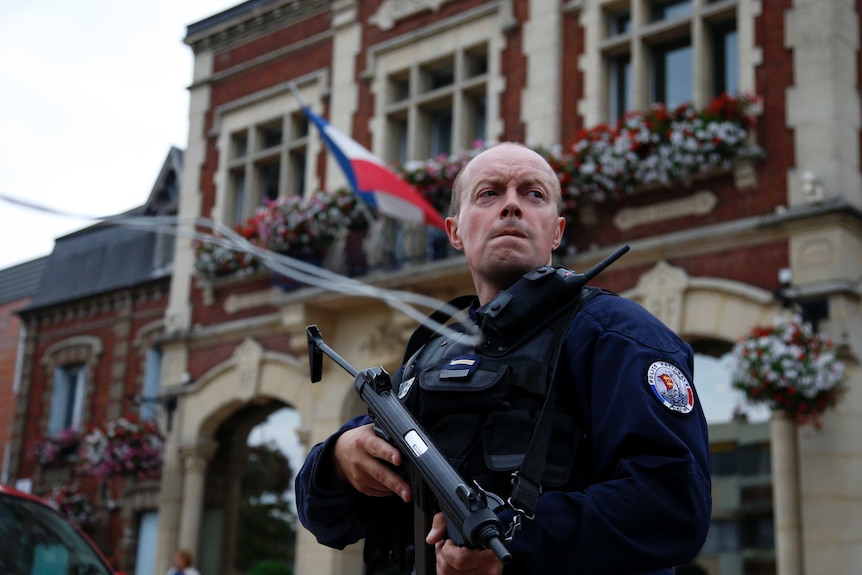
x=413 y=131
x=640 y=84
x=80 y=390
x=701 y=70
x=59 y=401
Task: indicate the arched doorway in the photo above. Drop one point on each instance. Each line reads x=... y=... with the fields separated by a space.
x=249 y=517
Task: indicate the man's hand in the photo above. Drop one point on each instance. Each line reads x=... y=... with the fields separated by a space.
x=452 y=559
x=361 y=458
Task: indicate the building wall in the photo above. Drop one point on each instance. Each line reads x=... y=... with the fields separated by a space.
x=112 y=333
x=10 y=338
x=545 y=83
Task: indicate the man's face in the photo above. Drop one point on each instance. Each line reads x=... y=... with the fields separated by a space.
x=508 y=223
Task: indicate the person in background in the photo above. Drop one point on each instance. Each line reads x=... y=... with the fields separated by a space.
x=183 y=563
x=626 y=486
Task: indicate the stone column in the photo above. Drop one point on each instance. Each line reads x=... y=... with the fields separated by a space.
x=195 y=459
x=785 y=482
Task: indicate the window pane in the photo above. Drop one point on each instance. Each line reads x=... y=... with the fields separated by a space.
x=619 y=23
x=59 y=400
x=723 y=463
x=269 y=173
x=478 y=110
x=67 y=398
x=620 y=87
x=299 y=125
x=441 y=132
x=271 y=136
x=78 y=379
x=758 y=533
x=754 y=460
x=238 y=183
x=672 y=69
x=476 y=62
x=667 y=9
x=438 y=74
x=723 y=537
x=239 y=144
x=297 y=172
x=399 y=87
x=150 y=388
x=725 y=51
x=397 y=152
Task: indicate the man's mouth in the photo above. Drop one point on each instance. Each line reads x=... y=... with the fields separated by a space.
x=510 y=233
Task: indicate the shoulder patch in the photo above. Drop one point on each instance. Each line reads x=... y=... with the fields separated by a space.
x=670 y=386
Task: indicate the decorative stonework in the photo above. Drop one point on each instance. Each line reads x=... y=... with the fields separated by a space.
x=248 y=358
x=698 y=204
x=391 y=11
x=239 y=302
x=661 y=290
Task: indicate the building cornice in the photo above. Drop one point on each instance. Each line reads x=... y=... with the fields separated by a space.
x=247 y=21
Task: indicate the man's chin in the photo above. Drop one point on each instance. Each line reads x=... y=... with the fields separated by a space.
x=506 y=271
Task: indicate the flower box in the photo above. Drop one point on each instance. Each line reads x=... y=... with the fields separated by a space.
x=789 y=368
x=56 y=449
x=123 y=448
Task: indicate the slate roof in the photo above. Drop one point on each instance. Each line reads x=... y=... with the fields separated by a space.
x=106 y=256
x=95 y=260
x=22 y=280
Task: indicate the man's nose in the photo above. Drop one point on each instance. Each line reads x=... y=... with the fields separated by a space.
x=511 y=204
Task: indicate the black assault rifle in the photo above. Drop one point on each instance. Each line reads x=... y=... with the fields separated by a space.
x=470 y=520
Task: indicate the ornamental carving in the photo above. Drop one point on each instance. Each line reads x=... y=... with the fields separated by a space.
x=391 y=11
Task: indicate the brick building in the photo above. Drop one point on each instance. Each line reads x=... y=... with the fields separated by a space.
x=410 y=80
x=17 y=285
x=88 y=356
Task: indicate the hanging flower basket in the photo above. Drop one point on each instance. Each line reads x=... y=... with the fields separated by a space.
x=55 y=449
x=301 y=228
x=72 y=504
x=789 y=368
x=123 y=448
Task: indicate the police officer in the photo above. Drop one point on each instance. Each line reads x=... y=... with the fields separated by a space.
x=626 y=488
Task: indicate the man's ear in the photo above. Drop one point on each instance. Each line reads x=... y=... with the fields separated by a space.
x=561 y=227
x=452 y=232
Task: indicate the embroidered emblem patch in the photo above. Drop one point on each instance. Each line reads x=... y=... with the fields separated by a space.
x=671 y=386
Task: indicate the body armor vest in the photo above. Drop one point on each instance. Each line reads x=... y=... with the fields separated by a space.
x=480 y=406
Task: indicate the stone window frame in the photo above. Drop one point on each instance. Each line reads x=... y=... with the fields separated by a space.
x=603 y=47
x=85 y=350
x=145 y=340
x=400 y=127
x=251 y=117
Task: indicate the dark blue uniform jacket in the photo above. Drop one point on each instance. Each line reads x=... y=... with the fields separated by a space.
x=647 y=503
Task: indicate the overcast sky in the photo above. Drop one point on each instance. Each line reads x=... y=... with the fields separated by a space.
x=92 y=97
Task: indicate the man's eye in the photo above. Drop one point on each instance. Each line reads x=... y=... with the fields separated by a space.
x=536 y=193
x=487 y=193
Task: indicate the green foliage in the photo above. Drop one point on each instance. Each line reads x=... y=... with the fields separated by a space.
x=267 y=535
x=270 y=567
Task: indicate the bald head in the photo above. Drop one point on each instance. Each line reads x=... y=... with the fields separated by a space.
x=464 y=178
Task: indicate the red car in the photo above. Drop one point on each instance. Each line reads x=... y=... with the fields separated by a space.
x=36 y=540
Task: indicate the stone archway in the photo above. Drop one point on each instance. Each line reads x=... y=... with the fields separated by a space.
x=702 y=307
x=252 y=379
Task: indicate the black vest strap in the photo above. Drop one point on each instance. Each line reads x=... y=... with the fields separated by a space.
x=527 y=481
x=423 y=333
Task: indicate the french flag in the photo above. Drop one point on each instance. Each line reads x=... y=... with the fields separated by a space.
x=369 y=177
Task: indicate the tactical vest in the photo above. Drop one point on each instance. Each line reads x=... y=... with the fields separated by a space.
x=480 y=406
